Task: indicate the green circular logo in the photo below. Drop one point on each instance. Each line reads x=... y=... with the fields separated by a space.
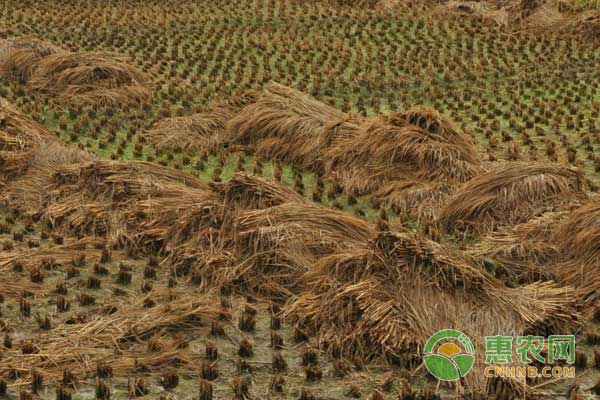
x=449 y=355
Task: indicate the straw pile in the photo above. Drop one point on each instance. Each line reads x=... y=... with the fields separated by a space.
x=522 y=253
x=438 y=127
x=404 y=157
x=549 y=19
x=94 y=77
x=202 y=132
x=387 y=299
x=129 y=203
x=277 y=245
x=510 y=194
x=414 y=200
x=264 y=238
x=286 y=124
x=19 y=56
x=73 y=77
x=556 y=246
x=19 y=138
x=253 y=192
x=417 y=145
x=580 y=233
x=578 y=240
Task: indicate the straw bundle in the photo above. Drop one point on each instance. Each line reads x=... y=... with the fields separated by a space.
x=277 y=245
x=584 y=276
x=95 y=77
x=129 y=203
x=19 y=137
x=389 y=149
x=249 y=191
x=522 y=253
x=387 y=299
x=417 y=201
x=579 y=235
x=288 y=125
x=511 y=194
x=29 y=191
x=557 y=246
x=432 y=122
x=20 y=56
x=577 y=238
x=203 y=132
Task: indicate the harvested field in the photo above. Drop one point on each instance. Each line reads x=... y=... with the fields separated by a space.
x=289 y=200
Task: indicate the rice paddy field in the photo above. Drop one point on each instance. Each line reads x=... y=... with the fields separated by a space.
x=282 y=199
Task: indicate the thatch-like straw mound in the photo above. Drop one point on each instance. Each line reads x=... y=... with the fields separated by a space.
x=130 y=203
x=580 y=233
x=95 y=77
x=522 y=253
x=385 y=300
x=550 y=20
x=19 y=137
x=277 y=245
x=286 y=124
x=403 y=156
x=510 y=194
x=92 y=77
x=19 y=56
x=530 y=241
x=578 y=240
x=583 y=275
x=415 y=200
x=202 y=132
x=249 y=191
x=556 y=246
x=269 y=237
x=398 y=148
